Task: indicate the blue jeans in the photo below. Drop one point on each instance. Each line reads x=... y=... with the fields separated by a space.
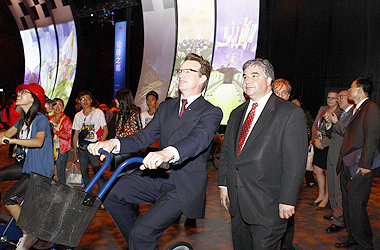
x=61 y=164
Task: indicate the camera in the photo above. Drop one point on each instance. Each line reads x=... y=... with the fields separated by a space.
x=83 y=134
x=20 y=158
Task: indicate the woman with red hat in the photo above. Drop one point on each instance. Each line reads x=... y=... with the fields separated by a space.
x=34 y=151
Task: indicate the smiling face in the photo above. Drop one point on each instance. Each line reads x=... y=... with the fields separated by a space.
x=255 y=84
x=332 y=99
x=190 y=80
x=58 y=107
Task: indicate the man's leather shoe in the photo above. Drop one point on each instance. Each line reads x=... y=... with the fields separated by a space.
x=346 y=244
x=329 y=217
x=334 y=229
x=191 y=223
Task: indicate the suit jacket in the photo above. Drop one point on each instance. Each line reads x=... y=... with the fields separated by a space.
x=191 y=136
x=363 y=131
x=322 y=125
x=336 y=133
x=271 y=165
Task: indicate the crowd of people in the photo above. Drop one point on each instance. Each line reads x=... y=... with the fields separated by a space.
x=262 y=161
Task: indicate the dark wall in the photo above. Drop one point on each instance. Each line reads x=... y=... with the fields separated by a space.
x=320 y=44
x=11 y=54
x=315 y=44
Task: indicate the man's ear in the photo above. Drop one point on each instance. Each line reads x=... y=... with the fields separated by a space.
x=269 y=81
x=203 y=79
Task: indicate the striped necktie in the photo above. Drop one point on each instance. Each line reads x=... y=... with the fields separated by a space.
x=246 y=127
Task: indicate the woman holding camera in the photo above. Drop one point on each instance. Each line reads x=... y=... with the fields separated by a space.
x=34 y=152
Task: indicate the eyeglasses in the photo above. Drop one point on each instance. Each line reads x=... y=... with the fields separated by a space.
x=186 y=71
x=84 y=99
x=283 y=92
x=59 y=105
x=341 y=96
x=331 y=98
x=23 y=91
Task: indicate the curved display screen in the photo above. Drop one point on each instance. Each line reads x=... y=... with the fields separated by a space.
x=236 y=42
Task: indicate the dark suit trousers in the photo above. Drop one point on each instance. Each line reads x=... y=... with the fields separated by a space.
x=142 y=232
x=287 y=239
x=355 y=194
x=255 y=237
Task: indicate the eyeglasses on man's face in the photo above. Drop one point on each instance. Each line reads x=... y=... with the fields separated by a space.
x=341 y=96
x=23 y=91
x=186 y=71
x=85 y=99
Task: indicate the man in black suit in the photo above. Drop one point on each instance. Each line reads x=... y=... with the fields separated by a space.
x=362 y=132
x=335 y=131
x=186 y=127
x=282 y=88
x=262 y=161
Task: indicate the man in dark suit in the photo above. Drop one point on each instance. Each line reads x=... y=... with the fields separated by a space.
x=362 y=132
x=282 y=88
x=262 y=161
x=186 y=127
x=335 y=131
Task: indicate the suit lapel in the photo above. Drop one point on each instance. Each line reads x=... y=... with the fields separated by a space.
x=189 y=112
x=348 y=115
x=264 y=118
x=358 y=111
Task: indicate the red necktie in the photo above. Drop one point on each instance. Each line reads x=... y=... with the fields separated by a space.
x=184 y=102
x=246 y=126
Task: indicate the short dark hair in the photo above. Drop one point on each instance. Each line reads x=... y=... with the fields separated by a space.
x=366 y=84
x=152 y=93
x=84 y=92
x=58 y=99
x=268 y=69
x=205 y=66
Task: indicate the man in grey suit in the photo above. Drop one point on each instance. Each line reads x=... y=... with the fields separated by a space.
x=336 y=127
x=262 y=162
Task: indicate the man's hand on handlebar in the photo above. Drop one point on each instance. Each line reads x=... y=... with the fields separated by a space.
x=108 y=146
x=154 y=159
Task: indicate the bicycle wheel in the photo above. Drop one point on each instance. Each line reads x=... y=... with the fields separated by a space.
x=215 y=155
x=180 y=245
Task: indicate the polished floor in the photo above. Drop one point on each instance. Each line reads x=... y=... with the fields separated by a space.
x=213 y=232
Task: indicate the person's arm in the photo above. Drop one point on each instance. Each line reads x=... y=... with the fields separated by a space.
x=105 y=133
x=8 y=134
x=75 y=144
x=371 y=136
x=224 y=199
x=201 y=135
x=34 y=142
x=196 y=142
x=294 y=156
x=64 y=131
x=316 y=140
